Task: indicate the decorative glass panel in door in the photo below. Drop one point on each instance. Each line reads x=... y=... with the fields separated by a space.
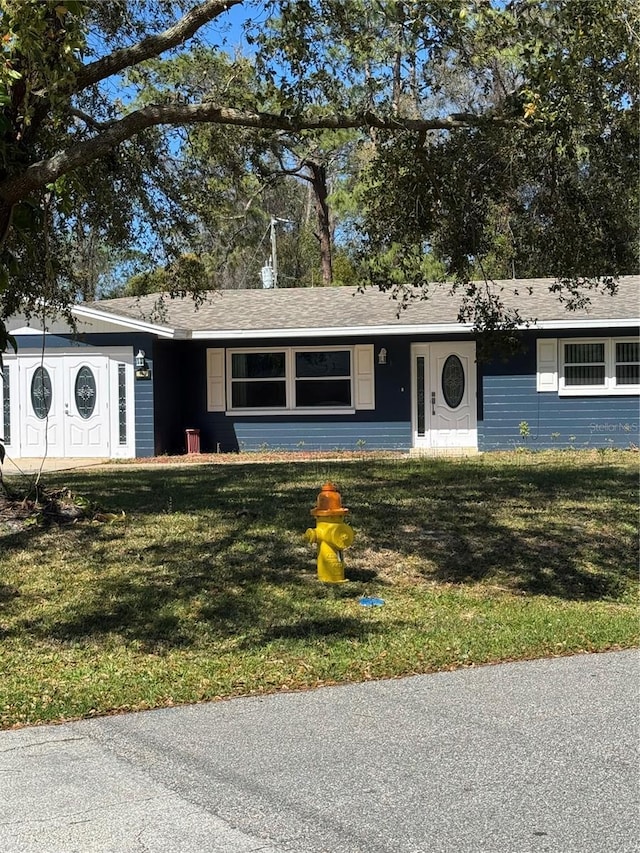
x=420 y=396
x=41 y=392
x=85 y=392
x=122 y=404
x=6 y=405
x=453 y=381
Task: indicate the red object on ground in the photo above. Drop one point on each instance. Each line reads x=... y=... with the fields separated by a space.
x=193 y=440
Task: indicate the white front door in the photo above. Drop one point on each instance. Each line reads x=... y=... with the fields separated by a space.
x=42 y=406
x=444 y=396
x=72 y=404
x=86 y=406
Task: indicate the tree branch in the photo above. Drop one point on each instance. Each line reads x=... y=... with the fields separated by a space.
x=89 y=120
x=39 y=174
x=153 y=45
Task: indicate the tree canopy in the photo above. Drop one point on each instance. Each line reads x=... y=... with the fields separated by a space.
x=494 y=137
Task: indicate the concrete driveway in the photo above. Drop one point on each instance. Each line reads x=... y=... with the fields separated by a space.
x=518 y=758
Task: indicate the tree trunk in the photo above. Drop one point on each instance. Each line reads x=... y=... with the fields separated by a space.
x=396 y=96
x=318 y=181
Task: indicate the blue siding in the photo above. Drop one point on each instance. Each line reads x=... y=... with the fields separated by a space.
x=332 y=434
x=145 y=430
x=508 y=396
x=553 y=421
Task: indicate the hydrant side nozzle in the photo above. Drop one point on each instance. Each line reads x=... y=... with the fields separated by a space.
x=339 y=535
x=310 y=535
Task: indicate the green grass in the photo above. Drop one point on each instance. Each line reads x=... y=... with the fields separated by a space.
x=207 y=589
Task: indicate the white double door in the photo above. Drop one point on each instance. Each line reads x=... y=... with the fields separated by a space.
x=444 y=406
x=71 y=405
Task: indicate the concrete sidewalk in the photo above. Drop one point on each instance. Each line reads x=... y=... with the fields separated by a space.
x=518 y=758
x=29 y=466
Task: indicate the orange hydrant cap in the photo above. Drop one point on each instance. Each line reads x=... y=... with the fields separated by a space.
x=329 y=502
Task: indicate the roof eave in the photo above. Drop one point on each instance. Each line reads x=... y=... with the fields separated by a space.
x=413 y=329
x=130 y=323
x=173 y=333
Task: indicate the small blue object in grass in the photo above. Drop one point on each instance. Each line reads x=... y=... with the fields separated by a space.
x=371 y=602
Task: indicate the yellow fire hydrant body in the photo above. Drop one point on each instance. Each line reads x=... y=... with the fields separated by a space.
x=330 y=534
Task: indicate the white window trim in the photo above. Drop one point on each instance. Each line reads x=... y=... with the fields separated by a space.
x=609 y=388
x=361 y=380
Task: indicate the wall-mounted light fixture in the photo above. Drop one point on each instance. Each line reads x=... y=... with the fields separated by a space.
x=143 y=371
x=382 y=356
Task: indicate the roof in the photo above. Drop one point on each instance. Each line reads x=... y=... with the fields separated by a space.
x=329 y=311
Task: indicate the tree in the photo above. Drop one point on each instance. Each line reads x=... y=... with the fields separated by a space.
x=76 y=145
x=556 y=196
x=227 y=174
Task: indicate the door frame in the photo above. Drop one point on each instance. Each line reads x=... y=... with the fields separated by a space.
x=114 y=356
x=432 y=441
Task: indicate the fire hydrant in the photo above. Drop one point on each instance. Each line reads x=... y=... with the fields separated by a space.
x=330 y=534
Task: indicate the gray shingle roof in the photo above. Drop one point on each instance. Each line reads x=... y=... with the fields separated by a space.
x=347 y=309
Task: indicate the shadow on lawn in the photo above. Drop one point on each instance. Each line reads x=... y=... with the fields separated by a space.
x=561 y=531
x=251 y=583
x=245 y=575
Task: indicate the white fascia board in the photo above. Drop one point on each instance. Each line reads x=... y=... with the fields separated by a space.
x=414 y=329
x=129 y=323
x=335 y=332
x=25 y=330
x=587 y=324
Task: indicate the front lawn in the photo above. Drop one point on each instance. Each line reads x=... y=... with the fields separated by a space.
x=205 y=587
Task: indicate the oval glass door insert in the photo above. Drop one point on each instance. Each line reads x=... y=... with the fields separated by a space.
x=41 y=392
x=85 y=392
x=453 y=381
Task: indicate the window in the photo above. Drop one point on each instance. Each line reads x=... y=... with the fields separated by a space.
x=589 y=366
x=258 y=380
x=305 y=380
x=584 y=364
x=627 y=363
x=323 y=379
